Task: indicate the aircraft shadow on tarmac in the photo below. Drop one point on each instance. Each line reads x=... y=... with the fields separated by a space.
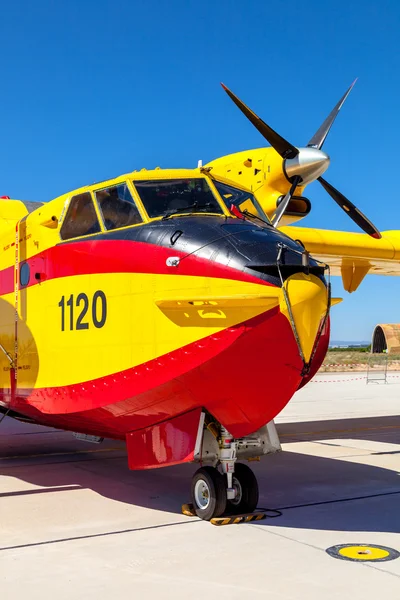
x=291 y=481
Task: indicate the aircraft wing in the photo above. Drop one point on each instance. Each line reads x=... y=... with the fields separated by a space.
x=351 y=255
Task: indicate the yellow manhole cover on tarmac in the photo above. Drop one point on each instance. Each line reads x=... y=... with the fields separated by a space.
x=363 y=552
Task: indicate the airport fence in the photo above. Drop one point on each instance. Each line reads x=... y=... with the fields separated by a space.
x=377 y=368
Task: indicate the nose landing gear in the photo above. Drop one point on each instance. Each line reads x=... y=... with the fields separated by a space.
x=234 y=491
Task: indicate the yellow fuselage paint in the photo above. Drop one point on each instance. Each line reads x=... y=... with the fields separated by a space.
x=305 y=305
x=138 y=327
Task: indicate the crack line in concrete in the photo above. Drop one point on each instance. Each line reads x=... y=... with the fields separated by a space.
x=96 y=535
x=337 y=500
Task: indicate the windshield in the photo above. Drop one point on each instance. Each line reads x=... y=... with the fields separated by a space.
x=165 y=197
x=243 y=200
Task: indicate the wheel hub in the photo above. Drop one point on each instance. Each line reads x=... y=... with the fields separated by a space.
x=238 y=492
x=202 y=494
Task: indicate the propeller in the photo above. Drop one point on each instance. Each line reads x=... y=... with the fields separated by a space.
x=304 y=165
x=282 y=206
x=318 y=139
x=282 y=146
x=350 y=209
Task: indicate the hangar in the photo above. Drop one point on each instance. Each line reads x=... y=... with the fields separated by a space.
x=386 y=337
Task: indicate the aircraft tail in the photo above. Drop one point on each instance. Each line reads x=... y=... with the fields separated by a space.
x=12 y=211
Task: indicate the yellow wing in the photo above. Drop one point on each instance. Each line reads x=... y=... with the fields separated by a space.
x=351 y=255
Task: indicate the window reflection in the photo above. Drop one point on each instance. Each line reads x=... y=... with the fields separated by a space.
x=174 y=196
x=81 y=218
x=117 y=207
x=243 y=200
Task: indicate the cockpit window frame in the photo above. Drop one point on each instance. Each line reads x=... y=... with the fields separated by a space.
x=261 y=213
x=130 y=182
x=65 y=213
x=134 y=195
x=224 y=211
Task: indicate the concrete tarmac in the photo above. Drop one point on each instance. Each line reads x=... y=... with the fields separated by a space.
x=76 y=523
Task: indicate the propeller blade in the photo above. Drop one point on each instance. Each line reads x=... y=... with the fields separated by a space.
x=285 y=201
x=282 y=146
x=319 y=137
x=350 y=209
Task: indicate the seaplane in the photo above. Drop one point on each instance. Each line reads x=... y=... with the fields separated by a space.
x=179 y=310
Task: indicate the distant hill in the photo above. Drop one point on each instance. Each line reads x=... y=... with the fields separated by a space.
x=347 y=343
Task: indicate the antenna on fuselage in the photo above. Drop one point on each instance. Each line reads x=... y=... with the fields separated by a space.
x=199 y=164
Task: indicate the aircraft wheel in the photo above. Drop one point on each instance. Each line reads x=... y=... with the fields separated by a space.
x=208 y=493
x=246 y=486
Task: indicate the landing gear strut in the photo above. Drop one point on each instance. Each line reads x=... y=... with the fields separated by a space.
x=234 y=491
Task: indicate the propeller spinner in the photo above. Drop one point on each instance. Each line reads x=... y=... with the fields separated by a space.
x=304 y=165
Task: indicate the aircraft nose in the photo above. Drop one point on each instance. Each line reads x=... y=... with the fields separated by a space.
x=310 y=163
x=307 y=296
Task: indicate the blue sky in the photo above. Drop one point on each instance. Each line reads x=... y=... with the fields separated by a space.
x=92 y=89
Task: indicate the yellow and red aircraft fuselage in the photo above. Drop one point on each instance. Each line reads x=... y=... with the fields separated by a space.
x=131 y=332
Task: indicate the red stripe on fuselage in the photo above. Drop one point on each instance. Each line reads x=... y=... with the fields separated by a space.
x=117 y=256
x=7 y=280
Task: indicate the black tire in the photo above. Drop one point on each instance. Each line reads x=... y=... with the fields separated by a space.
x=248 y=486
x=215 y=483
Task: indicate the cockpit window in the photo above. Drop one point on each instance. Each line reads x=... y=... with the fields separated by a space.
x=117 y=207
x=244 y=201
x=165 y=197
x=81 y=218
